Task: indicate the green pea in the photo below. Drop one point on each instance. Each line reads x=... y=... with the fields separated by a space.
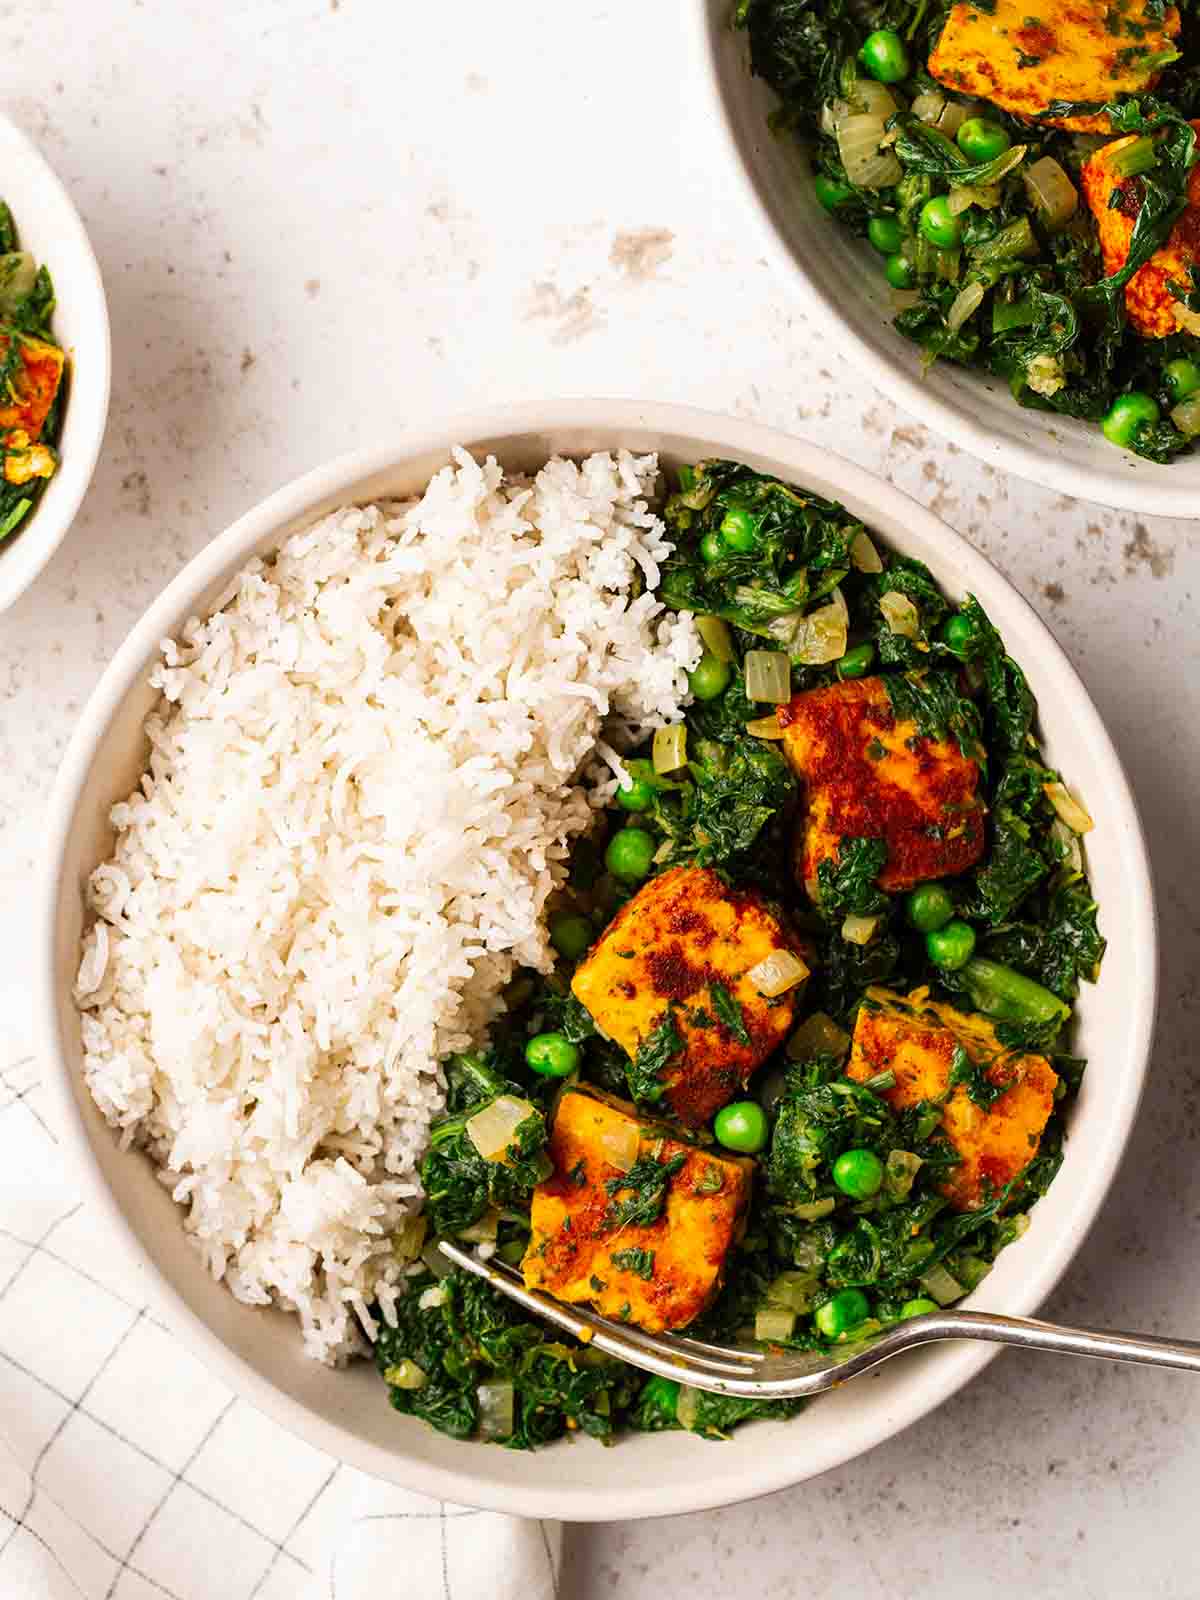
x=1127 y=415
x=712 y=549
x=709 y=678
x=858 y=662
x=742 y=1127
x=951 y=946
x=845 y=1311
x=858 y=1173
x=739 y=530
x=884 y=56
x=630 y=854
x=939 y=224
x=830 y=193
x=885 y=234
x=929 y=907
x=552 y=1054
x=899 y=272
x=1182 y=378
x=982 y=140
x=920 y=1307
x=570 y=934
x=640 y=794
x=957 y=633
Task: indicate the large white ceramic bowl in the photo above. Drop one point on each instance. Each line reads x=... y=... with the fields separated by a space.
x=49 y=227
x=838 y=280
x=259 y=1352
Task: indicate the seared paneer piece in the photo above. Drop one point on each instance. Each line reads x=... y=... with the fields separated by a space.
x=868 y=774
x=632 y=1221
x=1115 y=203
x=671 y=981
x=997 y=1100
x=33 y=379
x=1025 y=54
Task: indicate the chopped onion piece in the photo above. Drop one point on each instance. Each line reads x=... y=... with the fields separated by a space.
x=928 y=106
x=793 y=1291
x=1066 y=843
x=491 y=1130
x=437 y=1263
x=1051 y=191
x=899 y=1170
x=866 y=98
x=986 y=196
x=940 y=1286
x=669 y=751
x=495 y=1409
x=863 y=555
x=1068 y=808
x=773 y=1324
x=717 y=638
x=765 y=728
x=483 y=1230
x=435 y=1295
x=1186 y=415
x=409 y=1239
x=619 y=1141
x=777 y=973
x=821 y=636
x=859 y=930
x=814 y=1210
x=867 y=165
x=951 y=118
x=900 y=614
x=687 y=1407
x=818 y=1035
x=407 y=1375
x=768 y=676
x=966 y=303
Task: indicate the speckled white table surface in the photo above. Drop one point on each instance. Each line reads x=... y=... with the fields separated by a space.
x=320 y=219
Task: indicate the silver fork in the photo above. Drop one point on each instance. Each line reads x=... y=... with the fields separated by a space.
x=722 y=1369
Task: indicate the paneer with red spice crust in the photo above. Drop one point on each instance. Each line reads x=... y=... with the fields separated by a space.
x=868 y=774
x=921 y=1042
x=1115 y=203
x=670 y=980
x=632 y=1220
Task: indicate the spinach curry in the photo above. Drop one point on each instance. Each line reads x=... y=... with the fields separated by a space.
x=1027 y=175
x=801 y=1068
x=31 y=380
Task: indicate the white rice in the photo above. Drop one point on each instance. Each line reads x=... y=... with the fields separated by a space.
x=365 y=773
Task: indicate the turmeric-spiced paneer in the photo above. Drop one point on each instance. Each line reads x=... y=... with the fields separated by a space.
x=1152 y=308
x=670 y=982
x=922 y=1043
x=33 y=384
x=632 y=1221
x=1025 y=54
x=868 y=774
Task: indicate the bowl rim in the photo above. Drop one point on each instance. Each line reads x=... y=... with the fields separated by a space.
x=49 y=524
x=1149 y=495
x=950 y=1366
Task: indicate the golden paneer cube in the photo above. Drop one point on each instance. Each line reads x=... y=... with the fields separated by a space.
x=33 y=387
x=868 y=774
x=1025 y=56
x=1152 y=308
x=669 y=981
x=920 y=1041
x=645 y=1245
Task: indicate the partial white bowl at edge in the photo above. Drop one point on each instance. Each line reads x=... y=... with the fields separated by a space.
x=838 y=282
x=49 y=226
x=258 y=1352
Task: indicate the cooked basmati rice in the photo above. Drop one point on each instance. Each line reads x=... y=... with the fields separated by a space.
x=365 y=773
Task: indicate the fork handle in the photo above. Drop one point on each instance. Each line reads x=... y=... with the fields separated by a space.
x=1029 y=1333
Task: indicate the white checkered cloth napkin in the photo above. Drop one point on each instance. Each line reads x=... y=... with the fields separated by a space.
x=127 y=1472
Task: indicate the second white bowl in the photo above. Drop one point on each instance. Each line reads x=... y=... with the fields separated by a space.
x=844 y=293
